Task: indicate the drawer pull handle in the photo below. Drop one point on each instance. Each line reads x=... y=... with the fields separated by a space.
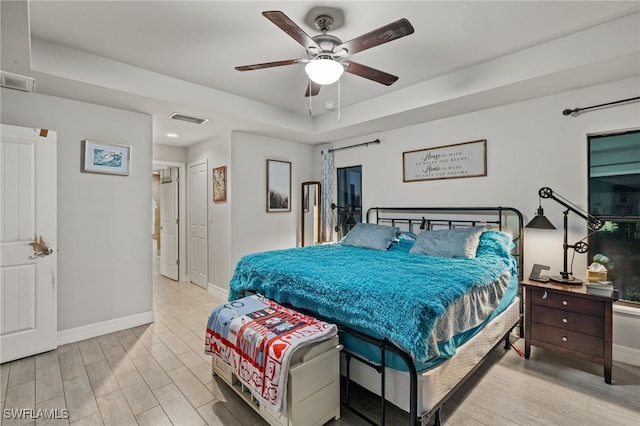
x=544 y=296
x=565 y=303
x=564 y=320
x=564 y=339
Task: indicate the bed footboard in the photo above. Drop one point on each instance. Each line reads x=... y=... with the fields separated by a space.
x=384 y=346
x=425 y=402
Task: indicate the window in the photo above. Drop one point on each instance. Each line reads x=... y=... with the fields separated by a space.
x=349 y=208
x=614 y=195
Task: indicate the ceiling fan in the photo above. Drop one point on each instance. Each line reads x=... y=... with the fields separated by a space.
x=326 y=51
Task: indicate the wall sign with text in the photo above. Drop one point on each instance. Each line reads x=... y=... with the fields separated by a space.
x=468 y=159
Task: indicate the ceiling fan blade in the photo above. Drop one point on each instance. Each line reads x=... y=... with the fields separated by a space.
x=400 y=28
x=290 y=27
x=267 y=65
x=312 y=89
x=370 y=73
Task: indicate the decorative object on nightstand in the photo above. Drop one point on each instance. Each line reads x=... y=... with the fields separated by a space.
x=597 y=271
x=541 y=222
x=570 y=319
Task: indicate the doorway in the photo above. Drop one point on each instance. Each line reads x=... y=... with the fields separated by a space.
x=169 y=243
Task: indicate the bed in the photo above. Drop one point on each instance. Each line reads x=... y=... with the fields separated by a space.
x=455 y=270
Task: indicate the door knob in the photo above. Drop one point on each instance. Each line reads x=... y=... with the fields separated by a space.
x=40 y=248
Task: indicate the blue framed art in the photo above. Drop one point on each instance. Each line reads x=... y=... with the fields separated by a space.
x=100 y=157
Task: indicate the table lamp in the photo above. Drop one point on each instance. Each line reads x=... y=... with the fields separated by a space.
x=541 y=222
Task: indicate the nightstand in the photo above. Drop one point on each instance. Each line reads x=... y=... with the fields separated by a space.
x=569 y=319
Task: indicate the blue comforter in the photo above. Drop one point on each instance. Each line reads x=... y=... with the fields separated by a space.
x=392 y=294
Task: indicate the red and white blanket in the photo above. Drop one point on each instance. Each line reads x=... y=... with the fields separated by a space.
x=256 y=337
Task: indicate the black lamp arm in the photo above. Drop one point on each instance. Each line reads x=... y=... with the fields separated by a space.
x=347 y=208
x=593 y=222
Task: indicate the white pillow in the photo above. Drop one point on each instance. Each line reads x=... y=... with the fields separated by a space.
x=455 y=242
x=371 y=235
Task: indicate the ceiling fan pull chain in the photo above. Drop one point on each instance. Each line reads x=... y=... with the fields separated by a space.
x=309 y=86
x=339 y=100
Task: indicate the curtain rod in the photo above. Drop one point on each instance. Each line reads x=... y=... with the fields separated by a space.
x=356 y=145
x=569 y=111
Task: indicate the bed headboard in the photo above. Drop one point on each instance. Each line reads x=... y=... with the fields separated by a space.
x=417 y=219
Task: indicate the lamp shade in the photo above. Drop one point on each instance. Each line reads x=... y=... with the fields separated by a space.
x=324 y=71
x=540 y=221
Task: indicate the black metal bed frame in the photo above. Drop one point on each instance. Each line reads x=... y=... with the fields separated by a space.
x=385 y=345
x=425 y=223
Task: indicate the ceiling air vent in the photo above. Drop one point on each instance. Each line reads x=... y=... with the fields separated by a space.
x=188 y=118
x=17 y=82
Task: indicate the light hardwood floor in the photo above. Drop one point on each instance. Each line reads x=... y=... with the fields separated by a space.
x=157 y=374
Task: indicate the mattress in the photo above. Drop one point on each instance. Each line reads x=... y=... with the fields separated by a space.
x=372 y=291
x=461 y=321
x=435 y=383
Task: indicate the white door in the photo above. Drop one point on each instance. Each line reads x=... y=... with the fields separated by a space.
x=28 y=273
x=198 y=223
x=169 y=223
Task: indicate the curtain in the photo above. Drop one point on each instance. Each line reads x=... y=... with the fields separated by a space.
x=327 y=177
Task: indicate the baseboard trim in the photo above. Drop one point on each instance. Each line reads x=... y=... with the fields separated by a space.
x=218 y=291
x=100 y=328
x=627 y=355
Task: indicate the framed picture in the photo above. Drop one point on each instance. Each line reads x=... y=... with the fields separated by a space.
x=278 y=186
x=462 y=160
x=100 y=157
x=220 y=184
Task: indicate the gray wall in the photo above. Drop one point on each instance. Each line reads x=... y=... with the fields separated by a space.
x=104 y=221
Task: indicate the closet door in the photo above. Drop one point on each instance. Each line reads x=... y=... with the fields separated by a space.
x=28 y=248
x=198 y=223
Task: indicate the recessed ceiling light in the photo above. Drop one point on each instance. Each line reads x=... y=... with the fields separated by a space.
x=172 y=135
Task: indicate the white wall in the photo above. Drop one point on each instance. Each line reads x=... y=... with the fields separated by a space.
x=241 y=225
x=529 y=145
x=175 y=154
x=252 y=228
x=104 y=221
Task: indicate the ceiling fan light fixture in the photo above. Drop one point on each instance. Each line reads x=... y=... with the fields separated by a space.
x=324 y=70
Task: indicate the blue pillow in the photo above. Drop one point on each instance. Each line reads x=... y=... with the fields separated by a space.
x=455 y=242
x=371 y=235
x=495 y=243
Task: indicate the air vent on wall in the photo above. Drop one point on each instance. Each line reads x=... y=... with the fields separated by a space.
x=17 y=82
x=188 y=118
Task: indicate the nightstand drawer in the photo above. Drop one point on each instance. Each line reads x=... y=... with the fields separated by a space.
x=567 y=320
x=567 y=302
x=569 y=340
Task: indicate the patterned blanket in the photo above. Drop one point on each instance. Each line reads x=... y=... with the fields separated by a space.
x=256 y=337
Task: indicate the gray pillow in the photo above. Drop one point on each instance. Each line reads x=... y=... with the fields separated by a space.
x=371 y=235
x=456 y=242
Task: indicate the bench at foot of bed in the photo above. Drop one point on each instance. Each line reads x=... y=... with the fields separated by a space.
x=313 y=386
